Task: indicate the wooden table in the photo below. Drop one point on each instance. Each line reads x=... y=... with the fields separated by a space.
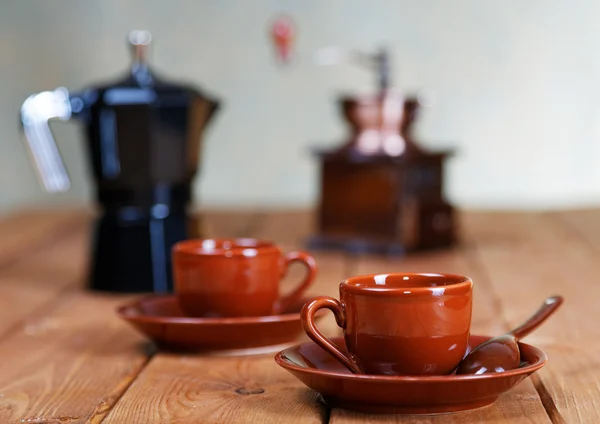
x=66 y=358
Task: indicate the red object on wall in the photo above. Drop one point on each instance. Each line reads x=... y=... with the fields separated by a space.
x=283 y=32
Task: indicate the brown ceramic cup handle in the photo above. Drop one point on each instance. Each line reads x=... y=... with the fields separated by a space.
x=308 y=322
x=287 y=301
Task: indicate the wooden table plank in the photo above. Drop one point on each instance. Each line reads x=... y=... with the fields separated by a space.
x=194 y=388
x=519 y=405
x=188 y=389
x=527 y=230
x=34 y=249
x=24 y=232
x=56 y=356
x=585 y=223
x=55 y=338
x=72 y=359
x=523 y=274
x=68 y=365
x=34 y=283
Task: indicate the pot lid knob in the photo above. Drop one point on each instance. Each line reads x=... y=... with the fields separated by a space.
x=139 y=41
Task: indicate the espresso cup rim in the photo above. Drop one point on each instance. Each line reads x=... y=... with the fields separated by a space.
x=238 y=246
x=452 y=284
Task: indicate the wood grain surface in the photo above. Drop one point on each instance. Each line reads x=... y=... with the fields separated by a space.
x=31 y=274
x=66 y=358
x=175 y=389
x=27 y=231
x=68 y=365
x=523 y=275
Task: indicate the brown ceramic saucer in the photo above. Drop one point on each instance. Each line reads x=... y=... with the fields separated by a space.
x=402 y=395
x=160 y=319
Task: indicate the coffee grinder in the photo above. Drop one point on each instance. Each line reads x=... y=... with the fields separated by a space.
x=379 y=190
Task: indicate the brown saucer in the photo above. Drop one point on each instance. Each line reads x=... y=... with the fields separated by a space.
x=402 y=395
x=160 y=319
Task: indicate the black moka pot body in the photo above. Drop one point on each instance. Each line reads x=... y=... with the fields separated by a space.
x=143 y=138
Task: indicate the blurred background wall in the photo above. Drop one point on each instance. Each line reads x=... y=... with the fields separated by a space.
x=516 y=87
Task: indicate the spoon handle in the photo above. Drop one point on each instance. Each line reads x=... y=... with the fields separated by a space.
x=548 y=308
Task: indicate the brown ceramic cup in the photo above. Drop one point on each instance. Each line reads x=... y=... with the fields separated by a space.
x=235 y=277
x=398 y=324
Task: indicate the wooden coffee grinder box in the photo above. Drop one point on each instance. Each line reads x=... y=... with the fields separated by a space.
x=380 y=191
